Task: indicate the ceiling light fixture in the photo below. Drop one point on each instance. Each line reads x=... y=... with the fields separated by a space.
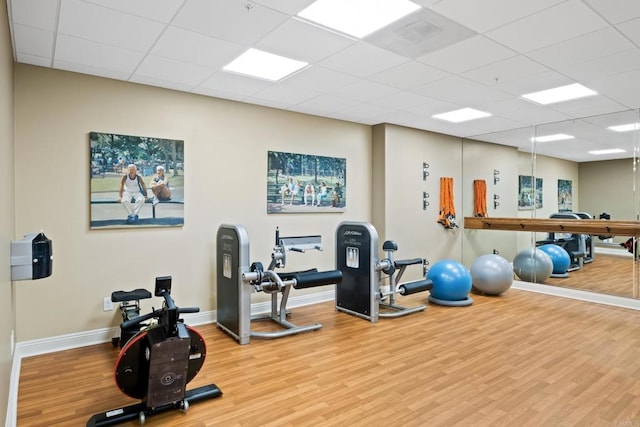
x=560 y=94
x=264 y=65
x=554 y=137
x=357 y=18
x=625 y=128
x=609 y=151
x=462 y=115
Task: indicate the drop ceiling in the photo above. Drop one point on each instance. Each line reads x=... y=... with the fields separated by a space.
x=450 y=54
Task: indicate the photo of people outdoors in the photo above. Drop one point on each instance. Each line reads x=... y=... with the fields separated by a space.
x=136 y=181
x=305 y=183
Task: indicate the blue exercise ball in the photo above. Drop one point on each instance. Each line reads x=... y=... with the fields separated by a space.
x=532 y=265
x=491 y=274
x=559 y=257
x=451 y=280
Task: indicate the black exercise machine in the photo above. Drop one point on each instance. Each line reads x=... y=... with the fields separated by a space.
x=129 y=309
x=156 y=364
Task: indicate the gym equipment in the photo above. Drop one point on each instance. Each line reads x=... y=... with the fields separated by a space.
x=559 y=259
x=451 y=284
x=236 y=279
x=129 y=309
x=361 y=292
x=579 y=246
x=532 y=265
x=491 y=274
x=156 y=364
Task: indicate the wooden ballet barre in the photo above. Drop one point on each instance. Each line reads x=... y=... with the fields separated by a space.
x=581 y=226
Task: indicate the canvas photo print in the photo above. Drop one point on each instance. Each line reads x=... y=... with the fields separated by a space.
x=136 y=181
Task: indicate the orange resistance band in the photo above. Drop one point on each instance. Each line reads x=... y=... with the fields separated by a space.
x=447 y=216
x=480 y=198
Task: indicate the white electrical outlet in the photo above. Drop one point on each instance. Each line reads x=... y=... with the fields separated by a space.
x=107 y=305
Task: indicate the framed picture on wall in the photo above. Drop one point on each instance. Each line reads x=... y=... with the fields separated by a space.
x=529 y=192
x=135 y=181
x=305 y=183
x=565 y=195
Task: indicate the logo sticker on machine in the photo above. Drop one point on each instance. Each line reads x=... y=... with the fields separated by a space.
x=226 y=266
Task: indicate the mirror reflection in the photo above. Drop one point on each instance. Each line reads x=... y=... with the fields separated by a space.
x=580 y=169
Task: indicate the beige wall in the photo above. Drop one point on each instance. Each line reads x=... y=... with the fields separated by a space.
x=7 y=317
x=480 y=159
x=226 y=146
x=401 y=152
x=608 y=187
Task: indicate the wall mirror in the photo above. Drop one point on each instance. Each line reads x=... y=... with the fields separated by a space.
x=585 y=167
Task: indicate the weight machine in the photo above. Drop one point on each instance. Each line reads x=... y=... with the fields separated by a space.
x=237 y=278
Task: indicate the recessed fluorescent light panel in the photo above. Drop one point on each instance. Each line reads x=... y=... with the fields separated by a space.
x=610 y=151
x=264 y=65
x=559 y=94
x=625 y=128
x=462 y=115
x=357 y=18
x=554 y=137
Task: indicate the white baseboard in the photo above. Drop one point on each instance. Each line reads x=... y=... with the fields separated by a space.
x=100 y=336
x=558 y=291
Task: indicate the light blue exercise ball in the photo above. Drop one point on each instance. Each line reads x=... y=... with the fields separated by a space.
x=532 y=265
x=491 y=274
x=451 y=280
x=559 y=257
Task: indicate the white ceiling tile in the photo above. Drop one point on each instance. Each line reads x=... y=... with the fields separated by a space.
x=622 y=87
x=522 y=111
x=91 y=22
x=366 y=111
x=362 y=60
x=440 y=126
x=467 y=55
x=616 y=11
x=631 y=29
x=159 y=68
x=33 y=41
x=401 y=100
x=507 y=70
x=196 y=48
x=216 y=93
x=25 y=58
x=152 y=81
x=603 y=67
x=457 y=90
x=364 y=91
x=35 y=13
x=93 y=71
x=583 y=48
x=495 y=124
x=320 y=79
x=156 y=10
x=433 y=107
x=286 y=6
x=489 y=14
x=326 y=104
x=234 y=83
x=99 y=56
x=589 y=106
x=534 y=83
x=302 y=41
x=229 y=21
x=285 y=93
x=409 y=75
x=548 y=27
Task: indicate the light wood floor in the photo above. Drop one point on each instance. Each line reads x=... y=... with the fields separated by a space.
x=521 y=359
x=607 y=274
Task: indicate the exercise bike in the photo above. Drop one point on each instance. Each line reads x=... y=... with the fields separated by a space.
x=156 y=364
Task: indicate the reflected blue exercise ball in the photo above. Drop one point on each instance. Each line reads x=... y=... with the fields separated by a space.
x=559 y=257
x=532 y=265
x=451 y=280
x=491 y=274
